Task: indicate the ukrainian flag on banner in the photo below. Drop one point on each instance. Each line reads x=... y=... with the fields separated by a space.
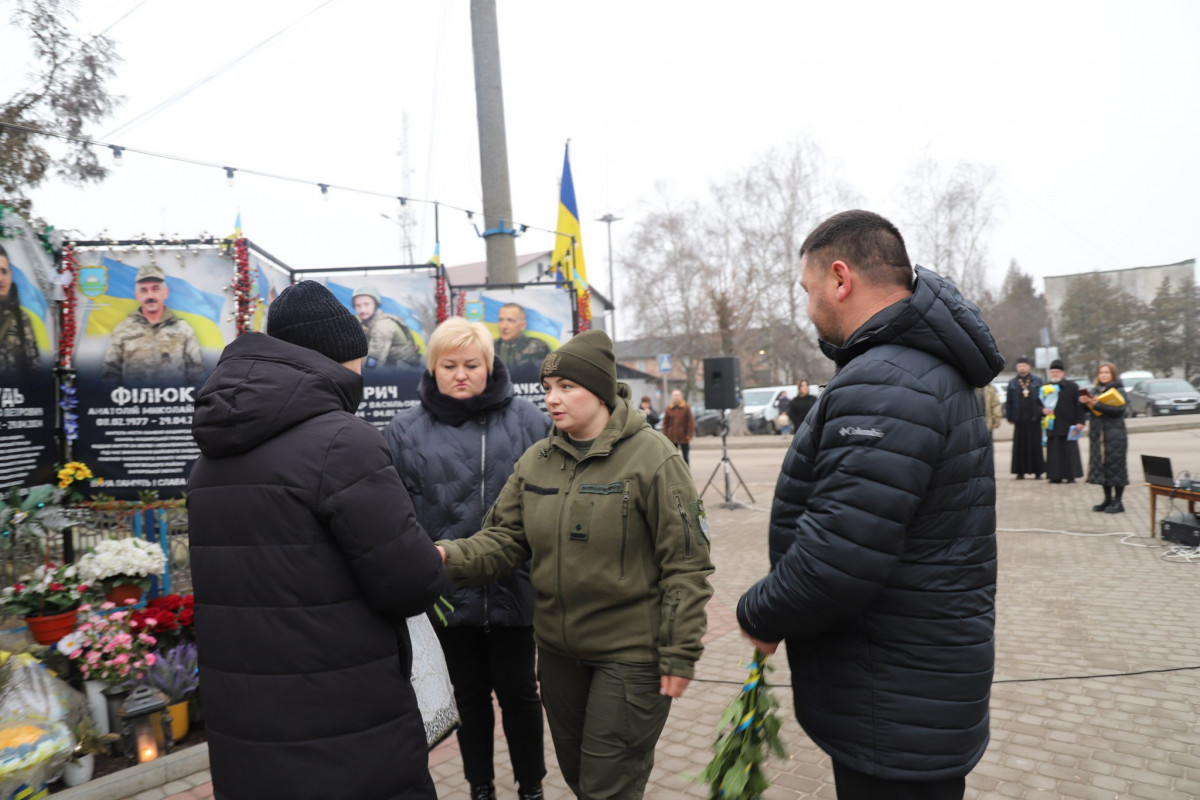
x=201 y=310
x=568 y=226
x=345 y=296
x=537 y=324
x=33 y=302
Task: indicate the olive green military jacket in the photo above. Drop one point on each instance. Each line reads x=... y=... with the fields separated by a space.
x=389 y=342
x=522 y=350
x=140 y=350
x=619 y=546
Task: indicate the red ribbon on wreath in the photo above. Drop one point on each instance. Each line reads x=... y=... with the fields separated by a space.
x=442 y=297
x=244 y=300
x=585 y=311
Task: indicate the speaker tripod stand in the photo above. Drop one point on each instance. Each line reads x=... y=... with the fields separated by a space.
x=728 y=466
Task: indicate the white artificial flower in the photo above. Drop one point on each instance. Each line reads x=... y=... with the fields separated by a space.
x=70 y=643
x=112 y=557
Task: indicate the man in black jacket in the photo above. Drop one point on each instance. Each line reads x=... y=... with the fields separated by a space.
x=306 y=560
x=882 y=537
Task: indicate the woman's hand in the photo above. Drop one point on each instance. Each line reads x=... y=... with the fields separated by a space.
x=1088 y=401
x=673 y=685
x=441 y=552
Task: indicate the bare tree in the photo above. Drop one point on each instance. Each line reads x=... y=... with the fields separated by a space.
x=772 y=207
x=953 y=210
x=67 y=89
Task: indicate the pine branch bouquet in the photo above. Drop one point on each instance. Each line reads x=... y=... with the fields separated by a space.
x=751 y=727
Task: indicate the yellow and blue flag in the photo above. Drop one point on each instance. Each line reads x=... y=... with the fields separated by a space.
x=568 y=258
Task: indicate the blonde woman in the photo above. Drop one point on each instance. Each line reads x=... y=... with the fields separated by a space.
x=454 y=453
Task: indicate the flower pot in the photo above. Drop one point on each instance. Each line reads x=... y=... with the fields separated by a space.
x=78 y=770
x=122 y=593
x=97 y=704
x=47 y=629
x=179 y=719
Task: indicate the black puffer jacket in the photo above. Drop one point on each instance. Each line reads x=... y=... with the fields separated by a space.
x=306 y=559
x=454 y=457
x=1107 y=439
x=883 y=545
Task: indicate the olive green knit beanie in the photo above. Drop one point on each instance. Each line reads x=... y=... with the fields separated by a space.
x=587 y=359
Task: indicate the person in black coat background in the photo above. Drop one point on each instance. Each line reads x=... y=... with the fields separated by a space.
x=883 y=528
x=799 y=406
x=454 y=452
x=1023 y=408
x=306 y=560
x=1063 y=463
x=1108 y=441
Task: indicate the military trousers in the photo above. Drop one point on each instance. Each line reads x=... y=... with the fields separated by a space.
x=605 y=719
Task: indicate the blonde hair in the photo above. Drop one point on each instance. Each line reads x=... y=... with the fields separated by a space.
x=456 y=334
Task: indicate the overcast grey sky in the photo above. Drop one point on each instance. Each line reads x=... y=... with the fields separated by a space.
x=1088 y=111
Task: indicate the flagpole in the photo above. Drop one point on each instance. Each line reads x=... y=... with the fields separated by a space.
x=608 y=219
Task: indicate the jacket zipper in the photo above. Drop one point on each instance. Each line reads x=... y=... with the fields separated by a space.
x=687 y=528
x=624 y=526
x=487 y=621
x=562 y=510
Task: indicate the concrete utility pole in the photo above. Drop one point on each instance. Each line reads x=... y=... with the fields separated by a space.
x=609 y=219
x=493 y=146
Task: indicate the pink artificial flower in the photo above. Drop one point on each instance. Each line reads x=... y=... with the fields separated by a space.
x=107 y=605
x=150 y=659
x=124 y=671
x=92 y=656
x=145 y=637
x=121 y=658
x=129 y=601
x=85 y=606
x=75 y=654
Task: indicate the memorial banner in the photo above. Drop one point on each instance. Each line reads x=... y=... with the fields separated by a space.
x=153 y=322
x=28 y=339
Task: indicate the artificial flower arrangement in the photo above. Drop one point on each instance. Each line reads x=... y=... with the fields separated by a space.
x=105 y=647
x=171 y=618
x=176 y=672
x=44 y=509
x=116 y=561
x=48 y=589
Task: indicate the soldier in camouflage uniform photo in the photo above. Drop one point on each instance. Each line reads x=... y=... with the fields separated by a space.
x=515 y=347
x=18 y=347
x=389 y=341
x=152 y=345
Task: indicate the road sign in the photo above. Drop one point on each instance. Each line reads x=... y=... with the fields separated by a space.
x=664 y=363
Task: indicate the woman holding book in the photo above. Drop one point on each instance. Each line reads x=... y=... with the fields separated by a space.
x=1107 y=437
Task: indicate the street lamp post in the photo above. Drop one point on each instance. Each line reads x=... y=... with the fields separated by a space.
x=609 y=219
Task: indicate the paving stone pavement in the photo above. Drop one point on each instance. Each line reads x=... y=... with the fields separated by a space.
x=1097 y=689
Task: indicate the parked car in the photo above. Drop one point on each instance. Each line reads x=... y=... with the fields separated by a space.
x=1132 y=376
x=1163 y=396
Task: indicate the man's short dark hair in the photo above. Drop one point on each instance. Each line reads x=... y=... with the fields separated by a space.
x=870 y=243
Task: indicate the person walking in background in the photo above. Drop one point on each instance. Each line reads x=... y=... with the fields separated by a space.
x=608 y=513
x=1107 y=439
x=989 y=401
x=306 y=558
x=679 y=426
x=883 y=528
x=799 y=406
x=454 y=452
x=1023 y=408
x=1064 y=424
x=648 y=409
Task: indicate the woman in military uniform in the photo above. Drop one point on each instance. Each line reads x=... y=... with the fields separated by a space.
x=18 y=347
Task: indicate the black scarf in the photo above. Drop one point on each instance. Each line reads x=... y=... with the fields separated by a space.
x=451 y=411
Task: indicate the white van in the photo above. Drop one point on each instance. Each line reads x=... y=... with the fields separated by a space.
x=760 y=405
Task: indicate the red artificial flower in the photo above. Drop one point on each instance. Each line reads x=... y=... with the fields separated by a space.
x=56 y=587
x=18 y=587
x=81 y=588
x=187 y=616
x=164 y=620
x=189 y=600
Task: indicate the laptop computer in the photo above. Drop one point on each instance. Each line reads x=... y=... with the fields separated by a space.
x=1158 y=471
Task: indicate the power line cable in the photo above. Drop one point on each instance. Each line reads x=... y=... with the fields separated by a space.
x=145 y=115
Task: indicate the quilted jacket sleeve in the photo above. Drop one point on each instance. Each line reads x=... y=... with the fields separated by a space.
x=370 y=516
x=845 y=515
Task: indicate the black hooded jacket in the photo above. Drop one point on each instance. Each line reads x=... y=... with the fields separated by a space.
x=454 y=457
x=883 y=548
x=306 y=560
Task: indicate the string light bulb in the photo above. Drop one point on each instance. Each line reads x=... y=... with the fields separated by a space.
x=229 y=174
x=324 y=190
x=117 y=151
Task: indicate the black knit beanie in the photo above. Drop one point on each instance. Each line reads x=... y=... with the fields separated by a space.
x=309 y=315
x=587 y=359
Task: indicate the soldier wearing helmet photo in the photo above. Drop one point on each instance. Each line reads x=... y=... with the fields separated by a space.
x=389 y=341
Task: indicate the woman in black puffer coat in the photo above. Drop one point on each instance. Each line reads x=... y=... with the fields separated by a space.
x=454 y=452
x=306 y=560
x=1108 y=442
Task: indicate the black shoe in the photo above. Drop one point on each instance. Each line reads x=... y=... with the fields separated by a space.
x=1055 y=480
x=483 y=791
x=1020 y=477
x=531 y=794
x=1037 y=477
x=1116 y=508
x=1102 y=506
x=1070 y=480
